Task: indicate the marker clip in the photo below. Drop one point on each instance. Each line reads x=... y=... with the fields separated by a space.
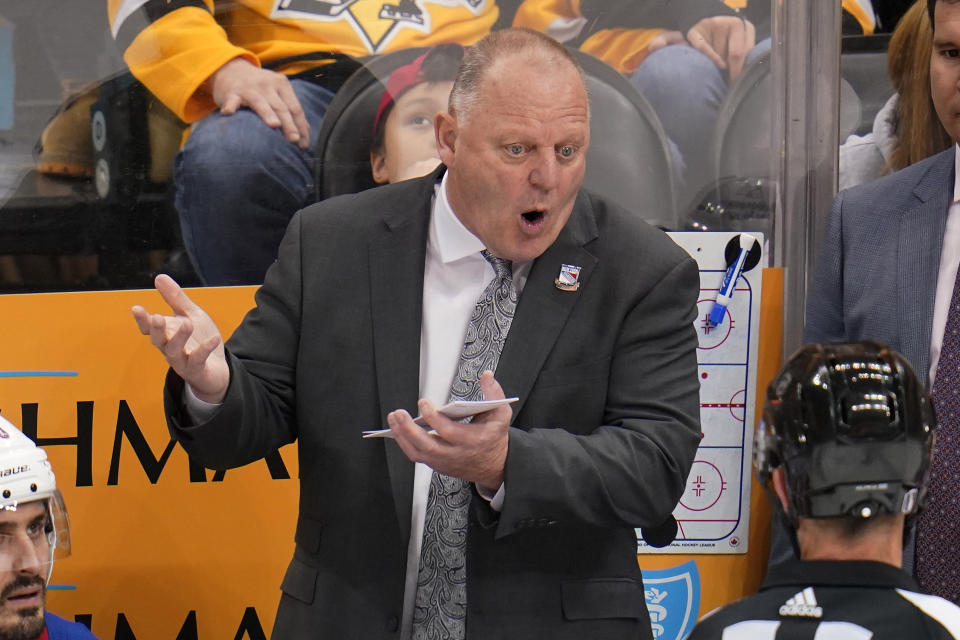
x=725 y=295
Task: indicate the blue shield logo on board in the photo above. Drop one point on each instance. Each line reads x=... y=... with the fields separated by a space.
x=673 y=600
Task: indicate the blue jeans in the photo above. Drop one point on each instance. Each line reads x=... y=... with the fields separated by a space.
x=686 y=90
x=238 y=183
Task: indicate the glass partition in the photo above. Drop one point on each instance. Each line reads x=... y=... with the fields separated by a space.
x=706 y=115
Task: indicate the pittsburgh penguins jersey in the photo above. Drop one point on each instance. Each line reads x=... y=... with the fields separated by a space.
x=824 y=600
x=173 y=46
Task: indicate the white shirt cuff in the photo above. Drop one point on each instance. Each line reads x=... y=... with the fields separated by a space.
x=198 y=410
x=495 y=499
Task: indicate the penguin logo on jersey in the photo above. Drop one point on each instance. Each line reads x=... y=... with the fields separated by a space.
x=376 y=22
x=673 y=600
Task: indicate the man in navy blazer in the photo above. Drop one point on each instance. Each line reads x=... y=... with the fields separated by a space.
x=889 y=257
x=342 y=339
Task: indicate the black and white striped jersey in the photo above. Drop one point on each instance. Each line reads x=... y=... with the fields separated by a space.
x=834 y=601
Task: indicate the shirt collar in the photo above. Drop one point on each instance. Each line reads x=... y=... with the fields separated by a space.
x=956 y=173
x=861 y=573
x=451 y=239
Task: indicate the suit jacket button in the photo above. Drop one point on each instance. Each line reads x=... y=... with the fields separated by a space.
x=392 y=623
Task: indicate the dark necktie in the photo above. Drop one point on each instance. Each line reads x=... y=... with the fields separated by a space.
x=441 y=604
x=938 y=527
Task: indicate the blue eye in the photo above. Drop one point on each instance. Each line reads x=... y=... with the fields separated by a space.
x=566 y=151
x=515 y=149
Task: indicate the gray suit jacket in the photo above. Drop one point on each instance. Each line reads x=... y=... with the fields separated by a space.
x=876 y=276
x=602 y=439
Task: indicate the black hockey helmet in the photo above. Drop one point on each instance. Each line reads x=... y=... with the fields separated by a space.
x=852 y=427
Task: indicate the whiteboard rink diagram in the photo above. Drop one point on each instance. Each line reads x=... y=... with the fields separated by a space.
x=714 y=512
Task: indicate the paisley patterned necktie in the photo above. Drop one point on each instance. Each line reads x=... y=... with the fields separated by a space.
x=938 y=536
x=441 y=603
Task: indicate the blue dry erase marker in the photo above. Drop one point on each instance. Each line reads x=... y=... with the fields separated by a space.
x=725 y=295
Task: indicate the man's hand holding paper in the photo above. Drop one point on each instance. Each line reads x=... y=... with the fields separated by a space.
x=475 y=452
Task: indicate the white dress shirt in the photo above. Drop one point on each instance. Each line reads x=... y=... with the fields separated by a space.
x=455 y=274
x=947 y=275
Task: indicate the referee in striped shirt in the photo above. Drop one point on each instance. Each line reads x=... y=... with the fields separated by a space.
x=844 y=448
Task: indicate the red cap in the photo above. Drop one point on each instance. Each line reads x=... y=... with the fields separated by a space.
x=405 y=78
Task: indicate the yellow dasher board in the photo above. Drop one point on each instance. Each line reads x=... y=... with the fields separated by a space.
x=163 y=549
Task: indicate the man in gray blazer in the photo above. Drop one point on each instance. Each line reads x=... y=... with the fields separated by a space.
x=876 y=272
x=888 y=262
x=351 y=328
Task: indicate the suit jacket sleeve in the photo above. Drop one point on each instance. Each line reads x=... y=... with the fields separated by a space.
x=824 y=313
x=631 y=469
x=257 y=415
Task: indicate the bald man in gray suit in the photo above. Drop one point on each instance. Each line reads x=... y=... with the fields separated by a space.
x=361 y=322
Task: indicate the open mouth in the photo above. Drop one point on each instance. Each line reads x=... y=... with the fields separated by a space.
x=533 y=220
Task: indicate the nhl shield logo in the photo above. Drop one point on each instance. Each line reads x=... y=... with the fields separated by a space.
x=673 y=600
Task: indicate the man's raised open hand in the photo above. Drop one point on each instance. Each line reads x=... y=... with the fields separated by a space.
x=189 y=340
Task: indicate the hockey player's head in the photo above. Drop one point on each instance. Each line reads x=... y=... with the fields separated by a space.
x=33 y=531
x=850 y=428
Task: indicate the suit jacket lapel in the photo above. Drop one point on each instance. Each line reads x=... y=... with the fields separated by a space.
x=543 y=309
x=919 y=246
x=397 y=255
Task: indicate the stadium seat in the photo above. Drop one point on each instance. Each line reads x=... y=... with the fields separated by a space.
x=741 y=143
x=343 y=142
x=741 y=196
x=863 y=63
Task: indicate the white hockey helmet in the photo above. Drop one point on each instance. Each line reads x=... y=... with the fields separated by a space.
x=27 y=477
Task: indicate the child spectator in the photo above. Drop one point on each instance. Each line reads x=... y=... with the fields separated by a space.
x=404 y=145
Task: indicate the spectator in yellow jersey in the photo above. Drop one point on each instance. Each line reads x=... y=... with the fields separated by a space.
x=255 y=78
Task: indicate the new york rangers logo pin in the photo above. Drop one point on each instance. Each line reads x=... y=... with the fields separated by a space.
x=569 y=278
